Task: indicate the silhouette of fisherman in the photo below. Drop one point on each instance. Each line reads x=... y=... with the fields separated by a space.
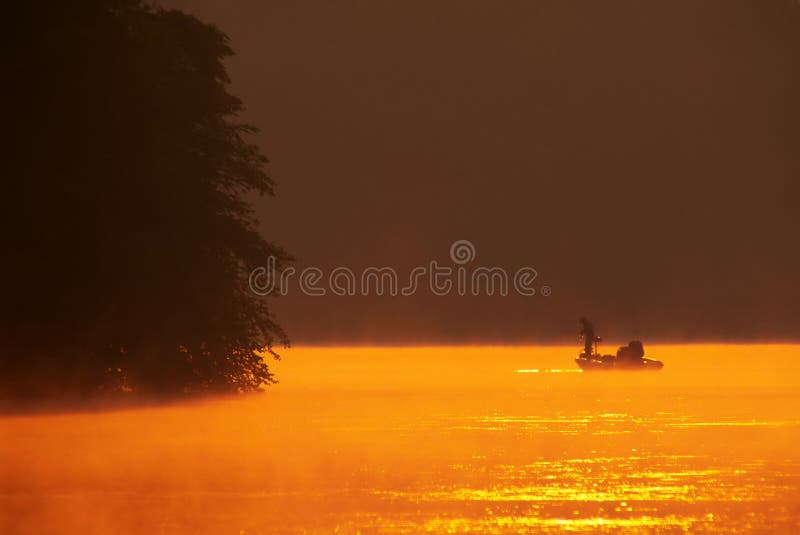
x=587 y=333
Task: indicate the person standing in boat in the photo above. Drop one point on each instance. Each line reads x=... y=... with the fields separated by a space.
x=587 y=333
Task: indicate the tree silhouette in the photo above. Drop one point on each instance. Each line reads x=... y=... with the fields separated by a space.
x=127 y=230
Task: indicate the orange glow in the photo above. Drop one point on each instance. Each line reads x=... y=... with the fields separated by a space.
x=440 y=440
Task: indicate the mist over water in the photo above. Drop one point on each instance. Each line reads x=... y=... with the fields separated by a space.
x=441 y=439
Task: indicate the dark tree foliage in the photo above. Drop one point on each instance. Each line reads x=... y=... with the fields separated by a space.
x=128 y=238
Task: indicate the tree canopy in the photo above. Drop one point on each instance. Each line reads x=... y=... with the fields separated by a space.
x=128 y=232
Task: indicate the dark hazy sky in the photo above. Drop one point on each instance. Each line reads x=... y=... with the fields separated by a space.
x=644 y=157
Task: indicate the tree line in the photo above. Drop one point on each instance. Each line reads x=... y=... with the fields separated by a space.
x=128 y=236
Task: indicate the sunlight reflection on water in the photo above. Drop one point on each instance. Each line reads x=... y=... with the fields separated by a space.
x=427 y=440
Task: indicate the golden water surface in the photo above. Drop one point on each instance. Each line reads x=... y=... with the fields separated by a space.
x=439 y=440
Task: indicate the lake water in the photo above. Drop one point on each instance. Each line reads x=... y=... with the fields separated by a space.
x=440 y=440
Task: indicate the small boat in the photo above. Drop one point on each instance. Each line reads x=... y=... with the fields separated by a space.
x=611 y=363
x=629 y=357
